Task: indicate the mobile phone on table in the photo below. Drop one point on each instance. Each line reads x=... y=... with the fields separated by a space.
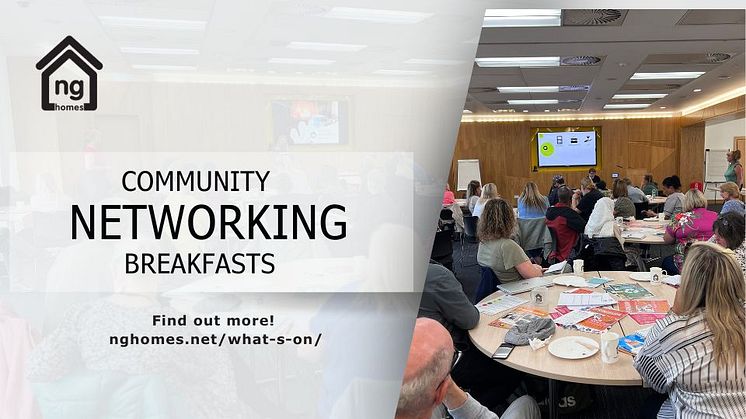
x=503 y=351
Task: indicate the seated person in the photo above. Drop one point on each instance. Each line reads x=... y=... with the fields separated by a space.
x=635 y=194
x=496 y=249
x=473 y=190
x=623 y=206
x=592 y=175
x=489 y=191
x=603 y=244
x=731 y=197
x=427 y=382
x=557 y=182
x=674 y=198
x=696 y=354
x=565 y=223
x=585 y=198
x=448 y=196
x=444 y=301
x=649 y=187
x=531 y=203
x=694 y=224
x=728 y=231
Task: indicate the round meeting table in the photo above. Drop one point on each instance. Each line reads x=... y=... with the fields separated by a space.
x=585 y=371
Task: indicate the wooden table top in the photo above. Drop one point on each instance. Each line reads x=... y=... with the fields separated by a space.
x=654 y=230
x=587 y=371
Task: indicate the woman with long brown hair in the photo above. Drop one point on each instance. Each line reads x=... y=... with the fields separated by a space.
x=697 y=353
x=531 y=203
x=496 y=249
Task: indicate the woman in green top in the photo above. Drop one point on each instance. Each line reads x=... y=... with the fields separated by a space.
x=734 y=172
x=496 y=250
x=649 y=187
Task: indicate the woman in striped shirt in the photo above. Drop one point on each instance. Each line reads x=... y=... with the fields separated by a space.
x=696 y=353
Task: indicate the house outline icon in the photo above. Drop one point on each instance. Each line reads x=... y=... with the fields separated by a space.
x=78 y=55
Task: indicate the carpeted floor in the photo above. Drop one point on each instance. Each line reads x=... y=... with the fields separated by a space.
x=605 y=402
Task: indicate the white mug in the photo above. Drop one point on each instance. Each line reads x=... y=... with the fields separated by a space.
x=577 y=266
x=609 y=348
x=656 y=275
x=539 y=296
x=662 y=217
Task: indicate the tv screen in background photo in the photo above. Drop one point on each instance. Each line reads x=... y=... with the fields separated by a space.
x=310 y=121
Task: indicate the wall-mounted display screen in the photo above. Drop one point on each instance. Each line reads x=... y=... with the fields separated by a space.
x=310 y=121
x=567 y=147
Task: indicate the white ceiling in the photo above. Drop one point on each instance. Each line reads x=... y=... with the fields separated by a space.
x=624 y=50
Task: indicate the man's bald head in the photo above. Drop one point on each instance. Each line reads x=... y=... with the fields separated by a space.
x=428 y=364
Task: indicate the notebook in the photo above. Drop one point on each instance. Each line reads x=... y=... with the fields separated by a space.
x=525 y=285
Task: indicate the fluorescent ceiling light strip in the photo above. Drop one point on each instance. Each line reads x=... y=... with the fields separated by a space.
x=377 y=15
x=521 y=22
x=300 y=61
x=529 y=89
x=432 y=61
x=524 y=62
x=326 y=46
x=163 y=67
x=639 y=95
x=533 y=102
x=522 y=12
x=159 y=51
x=467 y=111
x=626 y=105
x=667 y=75
x=559 y=117
x=150 y=23
x=401 y=72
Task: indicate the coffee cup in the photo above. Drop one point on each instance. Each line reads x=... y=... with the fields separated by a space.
x=656 y=275
x=662 y=217
x=577 y=266
x=539 y=296
x=609 y=348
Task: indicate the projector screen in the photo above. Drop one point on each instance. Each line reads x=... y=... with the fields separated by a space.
x=566 y=149
x=310 y=121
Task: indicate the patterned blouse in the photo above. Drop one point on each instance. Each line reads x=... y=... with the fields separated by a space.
x=689 y=227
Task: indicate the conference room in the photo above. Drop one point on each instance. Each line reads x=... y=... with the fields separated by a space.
x=593 y=205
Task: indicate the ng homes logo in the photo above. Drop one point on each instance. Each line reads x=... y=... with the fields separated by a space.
x=76 y=93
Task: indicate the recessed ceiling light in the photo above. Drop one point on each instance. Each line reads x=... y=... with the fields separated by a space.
x=723 y=77
x=525 y=110
x=401 y=72
x=432 y=61
x=159 y=51
x=546 y=110
x=466 y=111
x=163 y=67
x=300 y=61
x=519 y=18
x=529 y=89
x=639 y=95
x=533 y=102
x=522 y=62
x=377 y=15
x=662 y=107
x=325 y=46
x=697 y=90
x=149 y=23
x=667 y=75
x=626 y=105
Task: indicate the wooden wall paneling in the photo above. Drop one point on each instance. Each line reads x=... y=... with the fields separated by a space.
x=692 y=153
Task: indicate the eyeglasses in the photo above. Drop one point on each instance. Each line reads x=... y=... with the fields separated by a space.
x=456 y=357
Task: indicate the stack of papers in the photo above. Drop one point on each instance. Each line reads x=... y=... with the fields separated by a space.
x=634 y=235
x=645 y=311
x=557 y=268
x=672 y=280
x=629 y=291
x=594 y=299
x=499 y=304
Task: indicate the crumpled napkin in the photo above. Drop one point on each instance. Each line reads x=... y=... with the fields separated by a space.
x=538 y=343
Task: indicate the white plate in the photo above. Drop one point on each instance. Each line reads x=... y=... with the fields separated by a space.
x=570 y=281
x=651 y=219
x=640 y=276
x=569 y=348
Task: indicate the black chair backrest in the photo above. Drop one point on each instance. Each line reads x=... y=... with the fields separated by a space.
x=639 y=208
x=487 y=285
x=446 y=214
x=442 y=245
x=470 y=226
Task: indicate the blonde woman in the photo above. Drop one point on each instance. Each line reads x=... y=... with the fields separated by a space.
x=489 y=191
x=697 y=353
x=730 y=194
x=496 y=250
x=693 y=224
x=531 y=203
